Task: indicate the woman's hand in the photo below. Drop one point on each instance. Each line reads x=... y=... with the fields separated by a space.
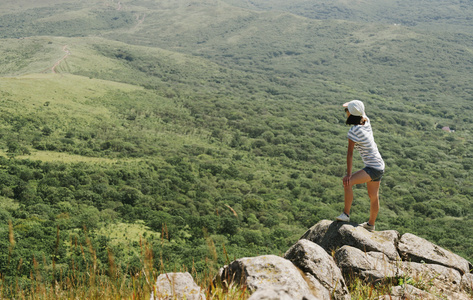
x=346 y=181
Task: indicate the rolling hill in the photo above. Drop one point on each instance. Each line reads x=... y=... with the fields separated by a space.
x=219 y=123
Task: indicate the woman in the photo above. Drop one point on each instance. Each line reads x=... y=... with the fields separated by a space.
x=360 y=136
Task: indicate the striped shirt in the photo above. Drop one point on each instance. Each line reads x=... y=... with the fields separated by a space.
x=362 y=135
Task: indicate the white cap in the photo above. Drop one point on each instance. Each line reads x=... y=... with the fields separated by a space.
x=356 y=108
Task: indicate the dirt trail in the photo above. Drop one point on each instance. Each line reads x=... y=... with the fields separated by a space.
x=140 y=19
x=68 y=52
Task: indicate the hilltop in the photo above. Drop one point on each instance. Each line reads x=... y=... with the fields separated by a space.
x=214 y=128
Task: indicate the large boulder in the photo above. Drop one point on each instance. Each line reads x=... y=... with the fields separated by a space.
x=177 y=286
x=446 y=280
x=373 y=267
x=314 y=260
x=270 y=273
x=332 y=235
x=416 y=249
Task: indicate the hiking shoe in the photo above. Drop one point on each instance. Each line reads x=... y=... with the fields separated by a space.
x=367 y=226
x=343 y=217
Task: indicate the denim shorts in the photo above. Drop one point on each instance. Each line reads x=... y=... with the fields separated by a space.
x=375 y=174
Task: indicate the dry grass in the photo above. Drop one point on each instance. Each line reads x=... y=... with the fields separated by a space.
x=85 y=279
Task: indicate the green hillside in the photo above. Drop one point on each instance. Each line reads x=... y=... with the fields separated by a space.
x=214 y=129
x=434 y=15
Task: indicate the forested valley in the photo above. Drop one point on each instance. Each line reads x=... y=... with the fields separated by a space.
x=208 y=130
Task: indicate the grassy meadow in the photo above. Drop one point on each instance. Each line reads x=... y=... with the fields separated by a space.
x=139 y=137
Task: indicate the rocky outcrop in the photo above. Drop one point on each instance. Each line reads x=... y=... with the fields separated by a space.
x=332 y=235
x=331 y=255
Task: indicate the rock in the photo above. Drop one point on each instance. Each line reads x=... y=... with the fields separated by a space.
x=371 y=266
x=417 y=249
x=308 y=270
x=460 y=296
x=268 y=272
x=408 y=292
x=332 y=235
x=322 y=292
x=446 y=280
x=312 y=259
x=271 y=294
x=177 y=286
x=467 y=283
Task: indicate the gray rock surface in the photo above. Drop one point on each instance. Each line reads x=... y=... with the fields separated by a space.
x=177 y=286
x=312 y=259
x=416 y=249
x=446 y=280
x=332 y=235
x=271 y=294
x=408 y=292
x=467 y=283
x=322 y=292
x=309 y=271
x=268 y=272
x=369 y=266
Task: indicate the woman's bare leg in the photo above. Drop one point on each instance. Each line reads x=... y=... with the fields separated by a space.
x=373 y=193
x=358 y=177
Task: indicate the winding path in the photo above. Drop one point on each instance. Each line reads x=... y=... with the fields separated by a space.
x=68 y=52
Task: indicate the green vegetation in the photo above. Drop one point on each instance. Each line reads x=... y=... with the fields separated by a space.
x=216 y=132
x=438 y=15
